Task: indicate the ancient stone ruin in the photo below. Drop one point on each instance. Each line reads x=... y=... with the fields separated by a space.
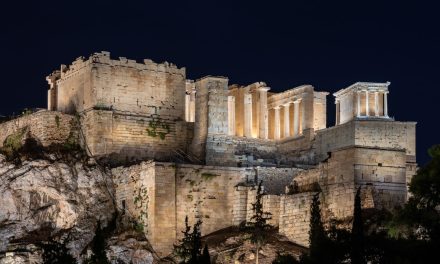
x=200 y=147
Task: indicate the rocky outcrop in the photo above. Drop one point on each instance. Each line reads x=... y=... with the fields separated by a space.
x=129 y=247
x=52 y=198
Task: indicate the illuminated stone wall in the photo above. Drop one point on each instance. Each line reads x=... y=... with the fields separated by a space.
x=382 y=171
x=368 y=133
x=126 y=136
x=294 y=217
x=219 y=196
x=121 y=84
x=47 y=127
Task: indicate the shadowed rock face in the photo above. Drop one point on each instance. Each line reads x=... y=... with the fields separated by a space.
x=52 y=198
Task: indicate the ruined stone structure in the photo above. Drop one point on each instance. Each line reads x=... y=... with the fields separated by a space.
x=203 y=145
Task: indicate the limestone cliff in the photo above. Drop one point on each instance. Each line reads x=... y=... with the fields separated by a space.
x=55 y=198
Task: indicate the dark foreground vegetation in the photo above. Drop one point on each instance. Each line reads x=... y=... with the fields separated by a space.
x=407 y=235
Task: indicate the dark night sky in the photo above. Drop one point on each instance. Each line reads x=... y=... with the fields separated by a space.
x=329 y=44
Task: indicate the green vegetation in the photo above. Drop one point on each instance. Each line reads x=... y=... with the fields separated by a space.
x=320 y=250
x=191 y=182
x=208 y=176
x=205 y=258
x=409 y=235
x=189 y=248
x=357 y=253
x=141 y=205
x=157 y=127
x=13 y=143
x=257 y=229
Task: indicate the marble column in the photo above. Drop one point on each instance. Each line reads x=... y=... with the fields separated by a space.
x=296 y=117
x=192 y=106
x=277 y=122
x=264 y=115
x=187 y=107
x=385 y=104
x=338 y=114
x=376 y=103
x=286 y=119
x=307 y=106
x=367 y=105
x=358 y=103
x=248 y=115
x=231 y=115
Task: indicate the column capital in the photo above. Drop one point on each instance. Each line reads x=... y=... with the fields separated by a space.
x=287 y=104
x=276 y=107
x=263 y=89
x=297 y=101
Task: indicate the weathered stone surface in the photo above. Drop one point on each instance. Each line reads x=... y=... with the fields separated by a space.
x=46 y=127
x=41 y=199
x=127 y=249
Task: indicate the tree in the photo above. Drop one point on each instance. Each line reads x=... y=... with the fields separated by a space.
x=183 y=249
x=422 y=211
x=98 y=249
x=317 y=235
x=205 y=258
x=196 y=248
x=357 y=253
x=258 y=226
x=321 y=249
x=189 y=248
x=56 y=252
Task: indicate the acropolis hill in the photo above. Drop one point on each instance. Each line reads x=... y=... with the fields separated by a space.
x=200 y=146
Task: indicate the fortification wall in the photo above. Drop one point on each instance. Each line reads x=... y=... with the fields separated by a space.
x=294 y=217
x=336 y=181
x=74 y=90
x=146 y=192
x=384 y=171
x=240 y=151
x=333 y=138
x=223 y=196
x=47 y=127
x=274 y=179
x=381 y=134
x=123 y=84
x=295 y=150
x=219 y=196
x=134 y=192
x=207 y=193
x=127 y=136
x=380 y=172
x=385 y=134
